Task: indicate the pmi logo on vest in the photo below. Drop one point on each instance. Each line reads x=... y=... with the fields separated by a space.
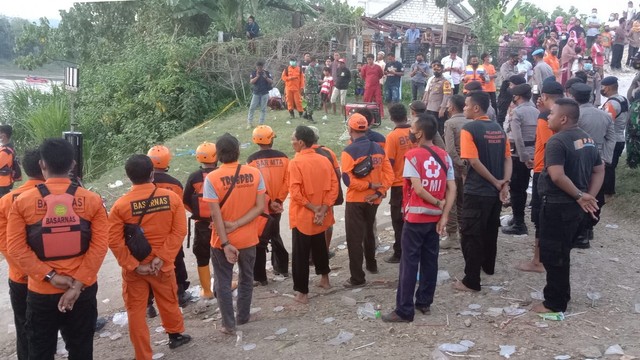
x=433 y=182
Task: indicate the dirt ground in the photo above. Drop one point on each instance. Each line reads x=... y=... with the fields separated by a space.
x=610 y=267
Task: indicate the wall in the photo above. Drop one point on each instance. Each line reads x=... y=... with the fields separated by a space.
x=420 y=12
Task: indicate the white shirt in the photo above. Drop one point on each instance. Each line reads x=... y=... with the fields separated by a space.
x=592 y=31
x=525 y=66
x=458 y=63
x=382 y=65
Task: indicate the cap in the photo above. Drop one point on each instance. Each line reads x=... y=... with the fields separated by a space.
x=418 y=106
x=342 y=60
x=574 y=80
x=538 y=52
x=552 y=88
x=609 y=80
x=520 y=90
x=550 y=78
x=581 y=89
x=380 y=52
x=517 y=79
x=473 y=86
x=358 y=122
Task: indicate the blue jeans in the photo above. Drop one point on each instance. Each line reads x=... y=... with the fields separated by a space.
x=420 y=246
x=392 y=94
x=258 y=101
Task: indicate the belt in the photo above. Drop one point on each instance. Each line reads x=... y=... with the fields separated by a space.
x=526 y=143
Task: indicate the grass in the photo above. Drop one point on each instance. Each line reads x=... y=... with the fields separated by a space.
x=183 y=146
x=625 y=202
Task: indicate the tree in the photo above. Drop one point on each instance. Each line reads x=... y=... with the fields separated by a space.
x=490 y=16
x=559 y=11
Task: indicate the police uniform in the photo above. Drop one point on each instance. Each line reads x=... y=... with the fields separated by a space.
x=436 y=96
x=618 y=107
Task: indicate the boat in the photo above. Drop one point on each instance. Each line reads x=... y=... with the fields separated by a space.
x=36 y=80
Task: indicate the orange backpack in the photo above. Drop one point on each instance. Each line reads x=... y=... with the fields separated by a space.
x=61 y=234
x=6 y=166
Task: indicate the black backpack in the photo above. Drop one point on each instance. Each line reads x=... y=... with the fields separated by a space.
x=322 y=151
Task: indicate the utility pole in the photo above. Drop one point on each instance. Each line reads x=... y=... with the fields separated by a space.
x=445 y=22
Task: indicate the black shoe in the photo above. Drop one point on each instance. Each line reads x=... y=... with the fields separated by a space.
x=305 y=116
x=581 y=243
x=310 y=118
x=151 y=311
x=300 y=113
x=184 y=298
x=291 y=114
x=284 y=274
x=100 y=323
x=373 y=270
x=393 y=259
x=424 y=309
x=350 y=285
x=590 y=234
x=516 y=229
x=331 y=254
x=179 y=340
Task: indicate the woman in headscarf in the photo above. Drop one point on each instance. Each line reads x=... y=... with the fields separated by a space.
x=559 y=22
x=567 y=59
x=634 y=40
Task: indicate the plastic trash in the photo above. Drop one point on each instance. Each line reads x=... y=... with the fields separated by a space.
x=467 y=343
x=507 y=350
x=329 y=320
x=555 y=316
x=270 y=337
x=387 y=213
x=120 y=318
x=612 y=226
x=368 y=312
x=504 y=220
x=438 y=355
x=159 y=329
x=541 y=324
x=281 y=331
x=496 y=288
x=512 y=311
x=474 y=306
x=382 y=249
x=157 y=356
x=537 y=295
x=289 y=122
x=562 y=357
x=443 y=276
x=244 y=146
x=470 y=313
x=342 y=247
x=239 y=337
x=105 y=334
x=614 y=350
x=356 y=290
x=254 y=310
x=342 y=338
x=61 y=348
x=278 y=278
x=348 y=301
x=454 y=348
x=247 y=347
x=278 y=308
x=115 y=336
x=594 y=296
x=105 y=301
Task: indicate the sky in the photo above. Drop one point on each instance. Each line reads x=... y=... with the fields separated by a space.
x=34 y=9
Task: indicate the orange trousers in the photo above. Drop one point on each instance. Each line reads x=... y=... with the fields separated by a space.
x=293 y=97
x=135 y=291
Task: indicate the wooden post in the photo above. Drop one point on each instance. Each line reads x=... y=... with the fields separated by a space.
x=445 y=21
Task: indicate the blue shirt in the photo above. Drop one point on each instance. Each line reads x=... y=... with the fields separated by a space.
x=261 y=86
x=412 y=35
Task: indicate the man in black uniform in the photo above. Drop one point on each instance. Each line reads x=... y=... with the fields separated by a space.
x=572 y=176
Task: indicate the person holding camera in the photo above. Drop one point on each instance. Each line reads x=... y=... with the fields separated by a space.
x=262 y=82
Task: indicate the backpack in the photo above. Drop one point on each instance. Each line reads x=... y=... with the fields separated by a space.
x=7 y=158
x=624 y=104
x=322 y=151
x=61 y=234
x=200 y=209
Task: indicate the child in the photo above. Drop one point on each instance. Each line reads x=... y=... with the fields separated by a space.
x=577 y=63
x=358 y=82
x=326 y=89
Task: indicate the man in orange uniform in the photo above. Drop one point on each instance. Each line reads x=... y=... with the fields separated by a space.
x=160 y=214
x=17 y=278
x=57 y=234
x=200 y=212
x=490 y=84
x=314 y=188
x=474 y=72
x=396 y=146
x=551 y=58
x=273 y=165
x=160 y=156
x=293 y=78
x=551 y=91
x=368 y=174
x=236 y=195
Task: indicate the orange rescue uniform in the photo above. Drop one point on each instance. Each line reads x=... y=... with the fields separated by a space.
x=489 y=86
x=165 y=226
x=543 y=133
x=273 y=165
x=293 y=78
x=554 y=63
x=311 y=180
x=382 y=172
x=397 y=144
x=28 y=209
x=15 y=274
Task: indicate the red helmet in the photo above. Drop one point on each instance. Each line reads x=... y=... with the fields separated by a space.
x=160 y=156
x=206 y=153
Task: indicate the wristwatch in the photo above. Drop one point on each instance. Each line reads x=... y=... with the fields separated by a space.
x=223 y=245
x=50 y=276
x=437 y=203
x=579 y=195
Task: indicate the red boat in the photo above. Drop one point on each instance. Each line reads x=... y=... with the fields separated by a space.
x=35 y=80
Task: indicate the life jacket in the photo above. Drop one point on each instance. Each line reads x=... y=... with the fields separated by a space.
x=433 y=178
x=200 y=208
x=6 y=166
x=61 y=234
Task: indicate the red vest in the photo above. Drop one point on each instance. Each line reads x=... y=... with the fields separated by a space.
x=433 y=178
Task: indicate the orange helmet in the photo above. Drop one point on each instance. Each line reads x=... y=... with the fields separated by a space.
x=206 y=153
x=160 y=156
x=263 y=135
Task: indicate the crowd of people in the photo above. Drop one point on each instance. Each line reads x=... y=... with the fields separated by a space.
x=460 y=152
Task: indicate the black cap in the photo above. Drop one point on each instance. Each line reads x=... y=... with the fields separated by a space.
x=552 y=88
x=517 y=79
x=581 y=89
x=520 y=90
x=550 y=78
x=473 y=86
x=574 y=80
x=609 y=80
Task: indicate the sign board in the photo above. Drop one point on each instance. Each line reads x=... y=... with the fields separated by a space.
x=71 y=78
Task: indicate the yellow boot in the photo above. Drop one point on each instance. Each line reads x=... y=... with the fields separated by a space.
x=205 y=282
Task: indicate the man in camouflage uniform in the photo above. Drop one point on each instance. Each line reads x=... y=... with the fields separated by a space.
x=437 y=94
x=311 y=89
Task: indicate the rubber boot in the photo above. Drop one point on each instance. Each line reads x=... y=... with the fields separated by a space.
x=204 y=273
x=291 y=114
